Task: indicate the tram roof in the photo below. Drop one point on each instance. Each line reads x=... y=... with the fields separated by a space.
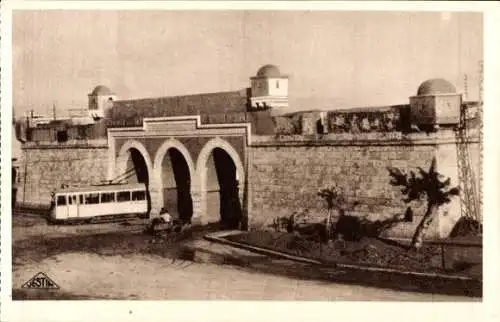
x=102 y=188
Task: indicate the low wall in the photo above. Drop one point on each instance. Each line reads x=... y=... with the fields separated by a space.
x=47 y=167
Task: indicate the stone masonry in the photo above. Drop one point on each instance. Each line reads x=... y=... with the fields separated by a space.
x=46 y=168
x=287 y=175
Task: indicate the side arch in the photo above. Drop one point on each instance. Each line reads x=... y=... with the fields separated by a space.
x=200 y=189
x=156 y=179
x=122 y=158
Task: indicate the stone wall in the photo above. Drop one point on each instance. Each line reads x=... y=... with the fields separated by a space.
x=47 y=167
x=287 y=174
x=284 y=172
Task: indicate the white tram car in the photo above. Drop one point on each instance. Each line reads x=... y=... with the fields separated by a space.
x=101 y=201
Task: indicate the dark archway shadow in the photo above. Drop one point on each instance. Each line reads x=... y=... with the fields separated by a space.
x=231 y=213
x=183 y=184
x=141 y=172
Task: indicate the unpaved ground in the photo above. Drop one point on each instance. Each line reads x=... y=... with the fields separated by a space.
x=156 y=278
x=115 y=261
x=26 y=226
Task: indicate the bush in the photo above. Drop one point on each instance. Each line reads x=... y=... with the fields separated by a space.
x=466 y=226
x=350 y=228
x=353 y=228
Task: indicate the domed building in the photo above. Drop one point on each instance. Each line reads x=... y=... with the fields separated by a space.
x=436 y=103
x=102 y=90
x=436 y=86
x=269 y=71
x=269 y=88
x=100 y=99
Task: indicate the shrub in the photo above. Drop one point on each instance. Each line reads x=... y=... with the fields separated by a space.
x=466 y=226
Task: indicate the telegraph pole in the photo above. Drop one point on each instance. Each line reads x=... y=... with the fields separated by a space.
x=30 y=117
x=54 y=110
x=481 y=126
x=466 y=88
x=481 y=79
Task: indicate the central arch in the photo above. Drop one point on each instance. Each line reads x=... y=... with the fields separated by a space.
x=221 y=180
x=173 y=172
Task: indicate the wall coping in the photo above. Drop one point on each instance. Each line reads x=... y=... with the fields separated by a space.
x=443 y=136
x=88 y=144
x=362 y=139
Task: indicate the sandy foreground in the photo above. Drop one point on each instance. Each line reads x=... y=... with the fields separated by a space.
x=151 y=277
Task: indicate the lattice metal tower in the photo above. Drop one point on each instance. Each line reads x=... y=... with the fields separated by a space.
x=468 y=193
x=469 y=201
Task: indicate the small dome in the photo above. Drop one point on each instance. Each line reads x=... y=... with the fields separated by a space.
x=269 y=71
x=102 y=90
x=436 y=86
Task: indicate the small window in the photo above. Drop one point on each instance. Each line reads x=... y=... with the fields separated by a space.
x=61 y=200
x=123 y=196
x=277 y=84
x=81 y=199
x=72 y=200
x=107 y=197
x=138 y=195
x=92 y=198
x=62 y=136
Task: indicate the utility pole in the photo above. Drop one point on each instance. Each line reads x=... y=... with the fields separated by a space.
x=466 y=88
x=481 y=126
x=54 y=110
x=481 y=79
x=30 y=118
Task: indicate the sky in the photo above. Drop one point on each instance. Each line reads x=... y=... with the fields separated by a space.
x=334 y=59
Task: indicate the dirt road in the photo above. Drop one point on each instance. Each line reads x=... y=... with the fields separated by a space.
x=152 y=277
x=123 y=264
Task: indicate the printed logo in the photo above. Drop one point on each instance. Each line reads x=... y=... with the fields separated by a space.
x=41 y=281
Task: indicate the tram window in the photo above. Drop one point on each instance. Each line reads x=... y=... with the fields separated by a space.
x=92 y=198
x=107 y=197
x=72 y=200
x=61 y=200
x=123 y=196
x=81 y=199
x=138 y=195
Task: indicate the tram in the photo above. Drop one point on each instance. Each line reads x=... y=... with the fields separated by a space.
x=98 y=202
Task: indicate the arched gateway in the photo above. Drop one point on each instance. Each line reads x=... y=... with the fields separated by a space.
x=172 y=179
x=133 y=165
x=197 y=172
x=221 y=173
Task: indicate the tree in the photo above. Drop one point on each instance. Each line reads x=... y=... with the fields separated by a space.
x=429 y=184
x=334 y=200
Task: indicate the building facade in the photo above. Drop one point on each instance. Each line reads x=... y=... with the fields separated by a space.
x=228 y=157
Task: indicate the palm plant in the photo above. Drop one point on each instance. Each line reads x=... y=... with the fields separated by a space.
x=427 y=184
x=334 y=200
